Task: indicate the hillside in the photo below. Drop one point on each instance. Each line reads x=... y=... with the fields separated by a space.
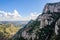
x=45 y=27
x=7 y=31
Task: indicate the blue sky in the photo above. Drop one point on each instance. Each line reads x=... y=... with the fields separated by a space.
x=23 y=8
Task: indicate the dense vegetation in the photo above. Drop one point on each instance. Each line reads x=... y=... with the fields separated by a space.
x=7 y=31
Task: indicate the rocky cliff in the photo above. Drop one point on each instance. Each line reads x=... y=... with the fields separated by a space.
x=52 y=7
x=45 y=27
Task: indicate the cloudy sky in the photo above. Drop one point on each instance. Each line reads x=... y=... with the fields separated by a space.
x=22 y=10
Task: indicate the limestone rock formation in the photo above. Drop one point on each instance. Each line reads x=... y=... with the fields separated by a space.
x=45 y=27
x=52 y=7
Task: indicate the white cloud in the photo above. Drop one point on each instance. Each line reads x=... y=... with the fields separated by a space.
x=9 y=16
x=15 y=16
x=34 y=15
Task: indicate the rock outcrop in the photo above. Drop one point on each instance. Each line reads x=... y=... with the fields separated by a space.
x=45 y=27
x=52 y=7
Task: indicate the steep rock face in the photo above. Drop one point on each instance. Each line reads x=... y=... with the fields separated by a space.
x=52 y=7
x=45 y=27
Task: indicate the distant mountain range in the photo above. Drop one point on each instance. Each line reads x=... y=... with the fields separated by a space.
x=16 y=23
